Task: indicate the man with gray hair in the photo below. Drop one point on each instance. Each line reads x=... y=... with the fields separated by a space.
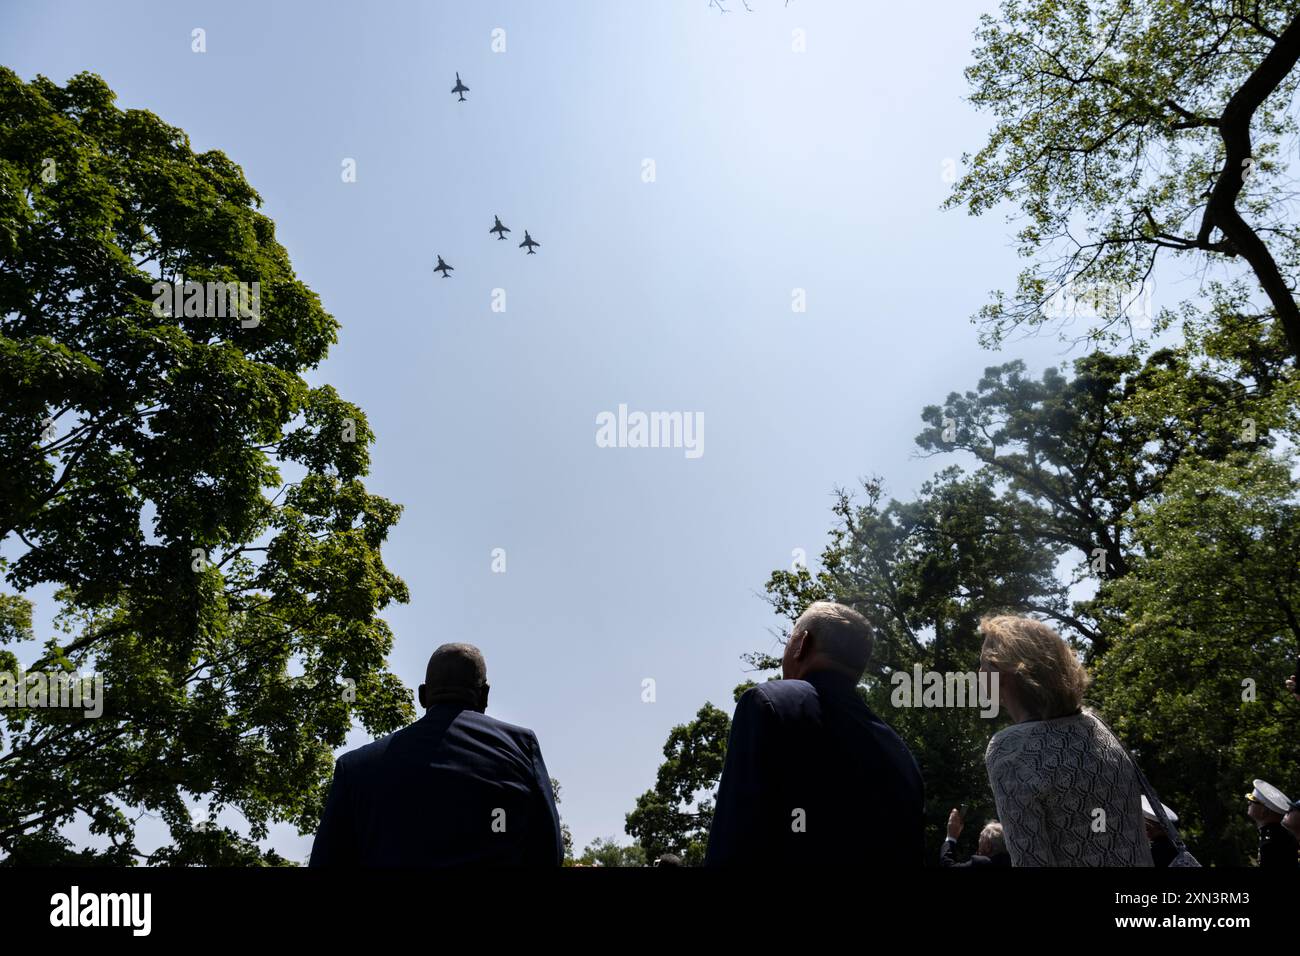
x=991 y=851
x=455 y=788
x=812 y=776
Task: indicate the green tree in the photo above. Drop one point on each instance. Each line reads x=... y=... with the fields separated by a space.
x=1128 y=129
x=197 y=504
x=674 y=817
x=1210 y=631
x=1071 y=455
x=606 y=851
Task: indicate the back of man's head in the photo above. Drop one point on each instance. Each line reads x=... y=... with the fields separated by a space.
x=829 y=635
x=457 y=674
x=992 y=840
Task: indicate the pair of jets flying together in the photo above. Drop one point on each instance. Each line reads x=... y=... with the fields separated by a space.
x=500 y=229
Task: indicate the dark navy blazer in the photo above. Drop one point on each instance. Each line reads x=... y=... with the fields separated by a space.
x=814 y=777
x=454 y=788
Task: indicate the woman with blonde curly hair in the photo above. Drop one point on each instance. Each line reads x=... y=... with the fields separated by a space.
x=1066 y=791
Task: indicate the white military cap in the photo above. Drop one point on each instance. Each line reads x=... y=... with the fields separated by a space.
x=1151 y=814
x=1270 y=796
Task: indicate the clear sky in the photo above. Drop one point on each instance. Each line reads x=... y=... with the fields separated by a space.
x=775 y=170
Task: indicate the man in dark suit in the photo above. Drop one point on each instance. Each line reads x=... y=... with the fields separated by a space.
x=991 y=851
x=812 y=776
x=454 y=788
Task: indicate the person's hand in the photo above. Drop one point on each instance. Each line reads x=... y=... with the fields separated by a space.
x=954 y=823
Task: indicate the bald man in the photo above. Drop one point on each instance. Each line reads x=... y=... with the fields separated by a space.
x=455 y=788
x=813 y=777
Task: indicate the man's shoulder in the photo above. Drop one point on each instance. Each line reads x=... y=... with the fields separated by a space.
x=467 y=721
x=780 y=691
x=361 y=756
x=780 y=695
x=522 y=736
x=800 y=702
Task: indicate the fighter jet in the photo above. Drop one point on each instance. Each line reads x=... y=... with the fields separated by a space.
x=443 y=268
x=460 y=88
x=498 y=228
x=528 y=243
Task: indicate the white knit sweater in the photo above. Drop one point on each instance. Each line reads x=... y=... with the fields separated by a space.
x=1067 y=794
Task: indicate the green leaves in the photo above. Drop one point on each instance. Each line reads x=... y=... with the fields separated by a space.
x=1128 y=129
x=674 y=817
x=234 y=616
x=606 y=851
x=1206 y=633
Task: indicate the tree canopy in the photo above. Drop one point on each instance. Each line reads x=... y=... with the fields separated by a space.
x=1129 y=129
x=197 y=506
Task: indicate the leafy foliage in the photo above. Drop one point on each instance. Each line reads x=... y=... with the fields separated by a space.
x=1211 y=631
x=236 y=629
x=1129 y=129
x=606 y=851
x=663 y=821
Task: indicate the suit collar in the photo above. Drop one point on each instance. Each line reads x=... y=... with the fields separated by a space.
x=832 y=682
x=443 y=709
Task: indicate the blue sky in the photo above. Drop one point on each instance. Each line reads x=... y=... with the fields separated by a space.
x=774 y=169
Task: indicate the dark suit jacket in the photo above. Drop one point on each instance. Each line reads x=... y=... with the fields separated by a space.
x=946 y=857
x=456 y=787
x=1277 y=847
x=814 y=746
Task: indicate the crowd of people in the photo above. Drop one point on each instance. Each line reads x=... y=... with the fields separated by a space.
x=810 y=772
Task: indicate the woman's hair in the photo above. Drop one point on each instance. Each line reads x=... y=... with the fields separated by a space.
x=1050 y=679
